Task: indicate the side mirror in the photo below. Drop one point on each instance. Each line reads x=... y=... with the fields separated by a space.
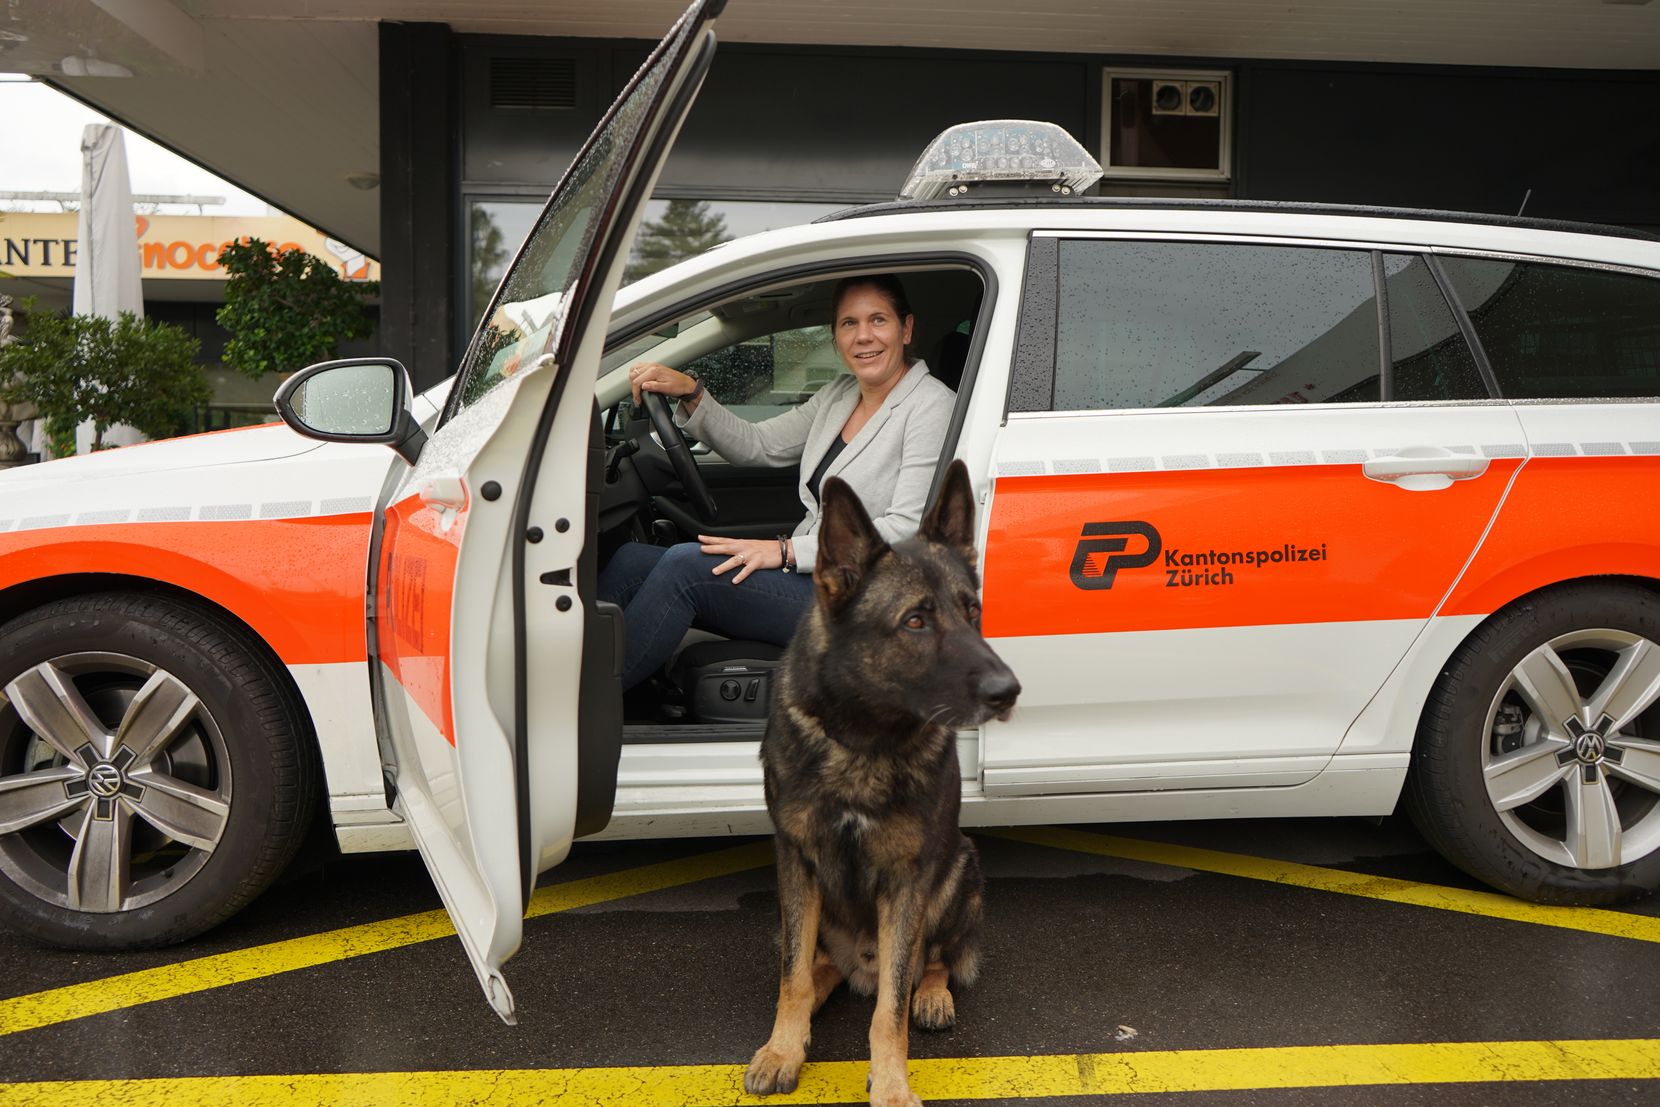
x=360 y=399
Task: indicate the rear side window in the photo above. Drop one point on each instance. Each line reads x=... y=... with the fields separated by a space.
x=1177 y=324
x=1429 y=359
x=1560 y=331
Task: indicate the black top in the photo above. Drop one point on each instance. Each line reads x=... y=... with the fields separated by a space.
x=830 y=455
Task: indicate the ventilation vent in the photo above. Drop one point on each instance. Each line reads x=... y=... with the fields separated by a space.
x=532 y=83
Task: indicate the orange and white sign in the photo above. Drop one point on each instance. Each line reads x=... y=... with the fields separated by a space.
x=171 y=247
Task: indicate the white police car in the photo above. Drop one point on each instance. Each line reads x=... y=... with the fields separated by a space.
x=1282 y=509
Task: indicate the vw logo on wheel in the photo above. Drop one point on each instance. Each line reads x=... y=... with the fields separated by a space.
x=1588 y=747
x=104 y=780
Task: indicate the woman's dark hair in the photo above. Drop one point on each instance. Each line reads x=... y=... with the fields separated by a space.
x=885 y=283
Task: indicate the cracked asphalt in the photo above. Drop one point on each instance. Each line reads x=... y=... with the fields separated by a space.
x=1120 y=974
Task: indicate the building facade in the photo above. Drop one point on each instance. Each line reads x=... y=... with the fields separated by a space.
x=476 y=129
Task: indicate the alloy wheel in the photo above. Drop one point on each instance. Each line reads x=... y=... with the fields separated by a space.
x=115 y=783
x=1570 y=758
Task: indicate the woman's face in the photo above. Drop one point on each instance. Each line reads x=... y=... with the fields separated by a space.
x=870 y=337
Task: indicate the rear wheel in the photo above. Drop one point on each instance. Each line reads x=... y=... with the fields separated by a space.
x=1537 y=766
x=155 y=771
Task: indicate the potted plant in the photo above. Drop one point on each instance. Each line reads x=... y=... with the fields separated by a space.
x=12 y=412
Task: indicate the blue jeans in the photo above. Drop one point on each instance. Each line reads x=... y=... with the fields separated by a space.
x=665 y=590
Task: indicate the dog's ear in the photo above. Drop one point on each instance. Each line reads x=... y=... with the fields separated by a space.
x=951 y=520
x=847 y=543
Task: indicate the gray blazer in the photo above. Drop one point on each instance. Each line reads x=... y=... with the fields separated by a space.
x=890 y=462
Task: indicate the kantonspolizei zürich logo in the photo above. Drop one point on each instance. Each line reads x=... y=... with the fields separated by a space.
x=1106 y=548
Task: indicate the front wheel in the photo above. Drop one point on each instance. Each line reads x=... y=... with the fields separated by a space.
x=155 y=771
x=1537 y=765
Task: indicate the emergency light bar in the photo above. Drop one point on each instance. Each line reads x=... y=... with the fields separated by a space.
x=1000 y=157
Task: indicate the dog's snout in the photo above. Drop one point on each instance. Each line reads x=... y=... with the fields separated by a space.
x=998 y=690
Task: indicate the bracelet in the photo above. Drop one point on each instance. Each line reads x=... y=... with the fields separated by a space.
x=784 y=562
x=691 y=397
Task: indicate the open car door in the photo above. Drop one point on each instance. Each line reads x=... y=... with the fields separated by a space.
x=498 y=674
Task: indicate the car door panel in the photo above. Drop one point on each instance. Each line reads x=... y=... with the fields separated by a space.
x=1590 y=462
x=1212 y=596
x=498 y=672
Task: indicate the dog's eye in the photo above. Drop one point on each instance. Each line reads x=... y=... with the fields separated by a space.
x=973 y=612
x=916 y=620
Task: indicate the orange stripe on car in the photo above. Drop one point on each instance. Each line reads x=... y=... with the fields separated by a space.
x=1167 y=550
x=418 y=558
x=299 y=583
x=1566 y=518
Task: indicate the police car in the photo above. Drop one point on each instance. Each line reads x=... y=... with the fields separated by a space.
x=1283 y=511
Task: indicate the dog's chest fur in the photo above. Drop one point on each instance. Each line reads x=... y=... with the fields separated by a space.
x=862 y=810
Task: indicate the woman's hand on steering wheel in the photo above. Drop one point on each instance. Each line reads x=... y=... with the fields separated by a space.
x=661 y=383
x=743 y=554
x=648 y=376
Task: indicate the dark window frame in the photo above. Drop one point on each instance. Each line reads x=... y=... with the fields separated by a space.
x=1467 y=328
x=1031 y=386
x=1435 y=255
x=853 y=264
x=1037 y=344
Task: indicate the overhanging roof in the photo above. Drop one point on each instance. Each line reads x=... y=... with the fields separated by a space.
x=282 y=99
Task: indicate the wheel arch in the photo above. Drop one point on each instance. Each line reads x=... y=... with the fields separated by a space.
x=1441 y=778
x=25 y=596
x=1533 y=595
x=1389 y=726
x=1648 y=584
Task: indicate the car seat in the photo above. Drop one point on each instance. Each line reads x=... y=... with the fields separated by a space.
x=950 y=356
x=726 y=681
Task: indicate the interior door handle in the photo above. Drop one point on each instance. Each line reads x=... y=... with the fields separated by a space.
x=1424 y=468
x=443 y=490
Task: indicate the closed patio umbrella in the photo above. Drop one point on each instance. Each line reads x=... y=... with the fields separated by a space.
x=107 y=268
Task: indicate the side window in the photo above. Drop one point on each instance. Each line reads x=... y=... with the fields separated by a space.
x=1176 y=324
x=765 y=376
x=1561 y=331
x=1429 y=359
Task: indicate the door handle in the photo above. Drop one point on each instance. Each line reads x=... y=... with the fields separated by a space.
x=1424 y=468
x=443 y=490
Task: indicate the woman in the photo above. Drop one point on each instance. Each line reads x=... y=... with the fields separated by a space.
x=879 y=428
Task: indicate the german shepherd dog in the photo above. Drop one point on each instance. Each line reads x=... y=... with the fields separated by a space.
x=876 y=884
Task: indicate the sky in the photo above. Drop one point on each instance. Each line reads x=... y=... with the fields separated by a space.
x=41 y=152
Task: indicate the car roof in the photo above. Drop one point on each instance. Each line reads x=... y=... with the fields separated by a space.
x=1279 y=207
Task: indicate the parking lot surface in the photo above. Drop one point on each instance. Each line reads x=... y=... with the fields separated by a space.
x=1263 y=962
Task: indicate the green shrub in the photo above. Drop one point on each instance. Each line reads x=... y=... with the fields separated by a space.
x=76 y=368
x=287 y=310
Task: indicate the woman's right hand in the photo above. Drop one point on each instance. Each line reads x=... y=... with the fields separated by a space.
x=648 y=376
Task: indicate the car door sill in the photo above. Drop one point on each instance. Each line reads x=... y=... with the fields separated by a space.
x=643 y=733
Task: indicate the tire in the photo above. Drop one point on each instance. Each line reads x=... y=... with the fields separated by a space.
x=156 y=772
x=1537 y=763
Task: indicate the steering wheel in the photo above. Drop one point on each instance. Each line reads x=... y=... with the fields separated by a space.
x=680 y=457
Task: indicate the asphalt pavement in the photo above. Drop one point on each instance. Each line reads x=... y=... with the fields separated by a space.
x=1260 y=962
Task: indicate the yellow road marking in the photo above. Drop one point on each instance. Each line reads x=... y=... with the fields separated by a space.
x=95 y=997
x=1206 y=1070
x=1592 y=920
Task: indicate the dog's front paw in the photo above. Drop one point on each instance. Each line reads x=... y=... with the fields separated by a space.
x=771 y=1071
x=933 y=1009
x=892 y=1093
